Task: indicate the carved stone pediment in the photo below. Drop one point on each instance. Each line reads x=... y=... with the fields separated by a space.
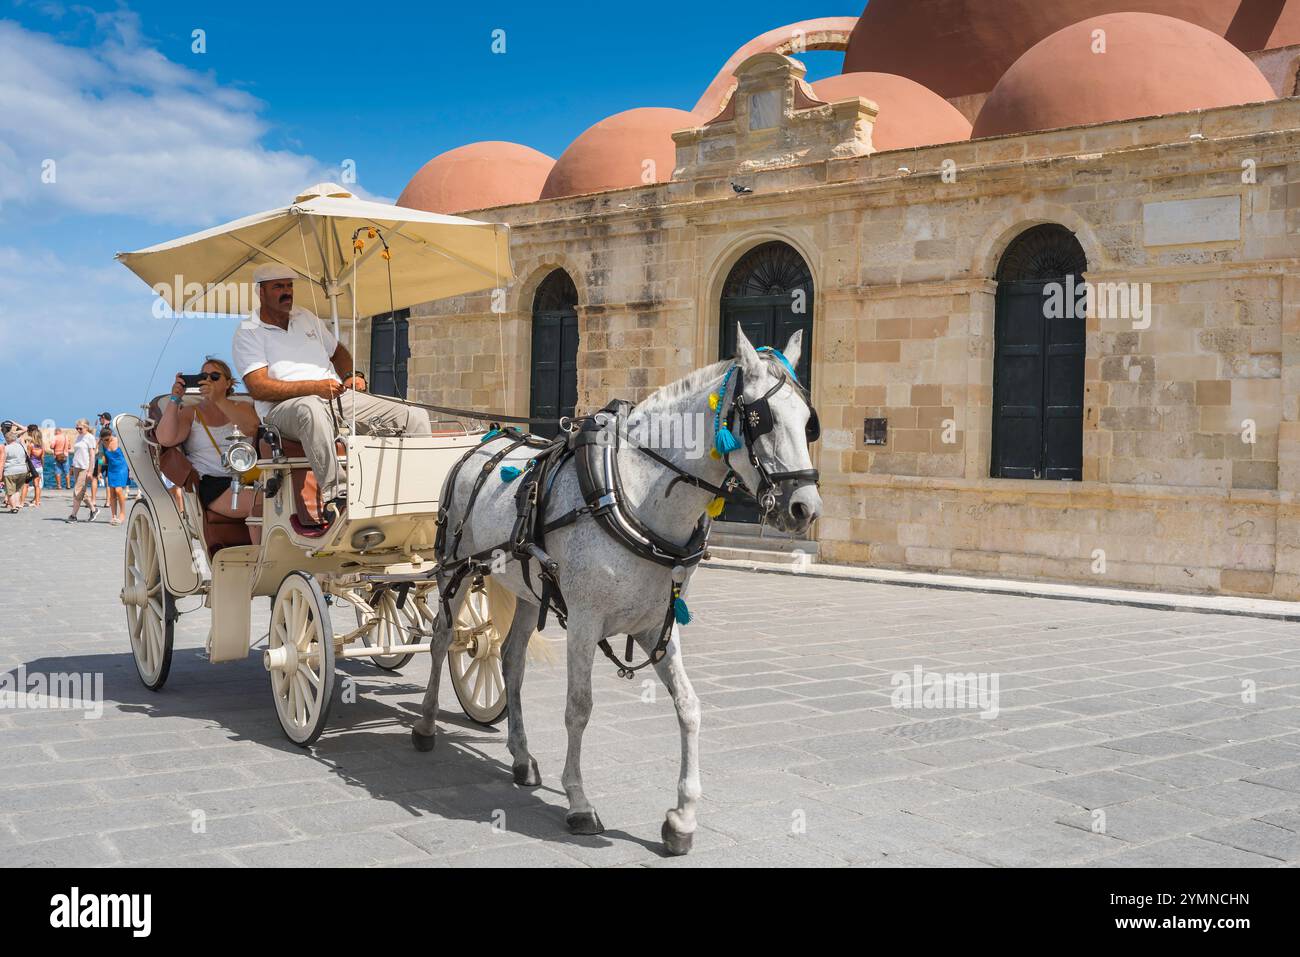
x=773 y=120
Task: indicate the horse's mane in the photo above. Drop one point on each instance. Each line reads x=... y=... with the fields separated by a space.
x=691 y=384
x=697 y=380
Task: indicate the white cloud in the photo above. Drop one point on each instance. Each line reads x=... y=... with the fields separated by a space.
x=133 y=133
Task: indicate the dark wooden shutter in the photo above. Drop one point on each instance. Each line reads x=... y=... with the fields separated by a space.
x=553 y=388
x=1039 y=360
x=758 y=297
x=390 y=349
x=1018 y=381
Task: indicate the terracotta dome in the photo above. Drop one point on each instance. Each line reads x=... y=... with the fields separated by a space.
x=478 y=176
x=613 y=153
x=957 y=47
x=1152 y=65
x=910 y=115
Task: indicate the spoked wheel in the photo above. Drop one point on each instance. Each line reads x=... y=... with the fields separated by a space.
x=150 y=610
x=397 y=626
x=474 y=659
x=300 y=658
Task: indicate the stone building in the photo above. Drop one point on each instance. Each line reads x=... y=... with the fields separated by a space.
x=1045 y=254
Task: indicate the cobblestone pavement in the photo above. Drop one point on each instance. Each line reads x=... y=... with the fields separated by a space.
x=1123 y=737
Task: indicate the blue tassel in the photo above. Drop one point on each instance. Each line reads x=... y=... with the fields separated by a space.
x=681 y=612
x=490 y=436
x=725 y=442
x=509 y=473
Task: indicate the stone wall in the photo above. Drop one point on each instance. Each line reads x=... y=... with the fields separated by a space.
x=1192 y=415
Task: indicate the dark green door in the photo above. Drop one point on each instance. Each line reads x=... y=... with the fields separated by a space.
x=390 y=348
x=553 y=390
x=1038 y=365
x=769 y=294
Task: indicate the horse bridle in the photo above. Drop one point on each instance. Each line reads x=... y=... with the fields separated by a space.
x=756 y=420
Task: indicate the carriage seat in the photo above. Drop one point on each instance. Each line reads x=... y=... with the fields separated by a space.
x=218 y=530
x=308 y=507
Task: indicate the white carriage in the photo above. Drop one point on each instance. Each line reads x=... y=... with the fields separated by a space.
x=377 y=559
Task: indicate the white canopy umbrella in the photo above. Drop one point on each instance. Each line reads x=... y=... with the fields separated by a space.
x=433 y=256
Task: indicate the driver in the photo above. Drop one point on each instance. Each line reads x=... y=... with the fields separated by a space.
x=294 y=368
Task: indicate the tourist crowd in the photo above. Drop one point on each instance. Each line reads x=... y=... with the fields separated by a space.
x=80 y=462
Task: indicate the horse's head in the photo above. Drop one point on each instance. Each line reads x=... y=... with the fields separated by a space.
x=774 y=419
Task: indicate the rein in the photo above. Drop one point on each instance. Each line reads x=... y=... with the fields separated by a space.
x=592 y=442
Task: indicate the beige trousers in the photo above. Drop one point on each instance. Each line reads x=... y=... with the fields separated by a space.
x=80 y=479
x=309 y=420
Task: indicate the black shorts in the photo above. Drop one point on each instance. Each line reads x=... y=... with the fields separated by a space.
x=211 y=487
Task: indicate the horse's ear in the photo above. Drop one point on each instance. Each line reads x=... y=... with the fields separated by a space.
x=747 y=355
x=794 y=348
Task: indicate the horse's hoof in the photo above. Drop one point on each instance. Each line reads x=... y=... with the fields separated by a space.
x=527 y=776
x=584 y=822
x=675 y=842
x=423 y=742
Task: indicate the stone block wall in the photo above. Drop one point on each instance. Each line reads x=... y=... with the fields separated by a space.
x=1191 y=413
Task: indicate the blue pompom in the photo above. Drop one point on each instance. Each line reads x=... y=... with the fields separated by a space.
x=681 y=612
x=509 y=473
x=490 y=436
x=725 y=442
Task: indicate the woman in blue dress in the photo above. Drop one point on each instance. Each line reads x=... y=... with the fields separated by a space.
x=116 y=475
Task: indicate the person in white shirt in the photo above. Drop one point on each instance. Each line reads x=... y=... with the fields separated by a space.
x=83 y=453
x=15 y=465
x=294 y=368
x=206 y=433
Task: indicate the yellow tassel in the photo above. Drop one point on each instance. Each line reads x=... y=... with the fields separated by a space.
x=715 y=507
x=713 y=400
x=715 y=453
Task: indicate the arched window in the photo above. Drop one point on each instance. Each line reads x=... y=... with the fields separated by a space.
x=553 y=390
x=769 y=294
x=1039 y=346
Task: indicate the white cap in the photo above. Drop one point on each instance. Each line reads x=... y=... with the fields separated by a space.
x=272 y=271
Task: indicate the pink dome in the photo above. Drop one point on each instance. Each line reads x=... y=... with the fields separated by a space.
x=910 y=115
x=1153 y=65
x=478 y=176
x=957 y=47
x=615 y=153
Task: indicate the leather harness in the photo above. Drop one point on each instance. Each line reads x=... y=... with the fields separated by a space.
x=592 y=443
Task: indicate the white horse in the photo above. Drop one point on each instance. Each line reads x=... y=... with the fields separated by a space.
x=608 y=589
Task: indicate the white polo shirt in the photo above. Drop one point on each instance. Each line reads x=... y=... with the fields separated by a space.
x=299 y=353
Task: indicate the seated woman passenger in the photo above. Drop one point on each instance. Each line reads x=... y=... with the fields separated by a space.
x=205 y=431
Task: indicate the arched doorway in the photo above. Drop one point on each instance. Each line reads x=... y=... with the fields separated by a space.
x=553 y=388
x=1039 y=348
x=768 y=294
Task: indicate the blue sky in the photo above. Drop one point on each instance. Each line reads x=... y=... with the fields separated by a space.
x=151 y=140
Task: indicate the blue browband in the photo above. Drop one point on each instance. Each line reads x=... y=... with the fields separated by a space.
x=784 y=361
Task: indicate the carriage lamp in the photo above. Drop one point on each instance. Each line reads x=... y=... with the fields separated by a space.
x=368 y=538
x=241 y=457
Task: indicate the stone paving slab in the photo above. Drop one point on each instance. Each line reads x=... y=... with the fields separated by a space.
x=1124 y=736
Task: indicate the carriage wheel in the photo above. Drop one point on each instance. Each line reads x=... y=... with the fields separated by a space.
x=300 y=658
x=397 y=626
x=150 y=610
x=474 y=659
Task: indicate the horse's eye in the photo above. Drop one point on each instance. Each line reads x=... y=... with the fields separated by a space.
x=813 y=430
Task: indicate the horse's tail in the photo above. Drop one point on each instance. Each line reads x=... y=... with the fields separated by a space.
x=501 y=606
